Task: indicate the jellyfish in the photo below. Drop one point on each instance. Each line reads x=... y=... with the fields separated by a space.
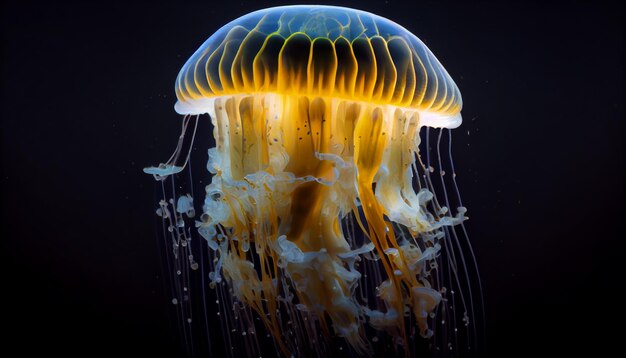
x=323 y=219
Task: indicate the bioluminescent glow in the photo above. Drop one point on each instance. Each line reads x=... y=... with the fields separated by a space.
x=323 y=216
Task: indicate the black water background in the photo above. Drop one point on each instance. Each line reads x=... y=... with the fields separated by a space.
x=87 y=101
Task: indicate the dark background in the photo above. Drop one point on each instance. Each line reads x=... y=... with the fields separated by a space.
x=87 y=102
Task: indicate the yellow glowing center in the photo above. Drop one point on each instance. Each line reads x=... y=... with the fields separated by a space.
x=287 y=169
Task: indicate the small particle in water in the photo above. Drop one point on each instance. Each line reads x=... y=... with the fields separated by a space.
x=465 y=319
x=375 y=339
x=188 y=320
x=175 y=301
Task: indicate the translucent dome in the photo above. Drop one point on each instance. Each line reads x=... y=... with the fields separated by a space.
x=322 y=51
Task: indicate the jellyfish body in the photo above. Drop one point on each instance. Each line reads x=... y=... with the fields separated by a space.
x=315 y=211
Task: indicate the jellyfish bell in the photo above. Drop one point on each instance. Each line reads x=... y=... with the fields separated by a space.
x=321 y=211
